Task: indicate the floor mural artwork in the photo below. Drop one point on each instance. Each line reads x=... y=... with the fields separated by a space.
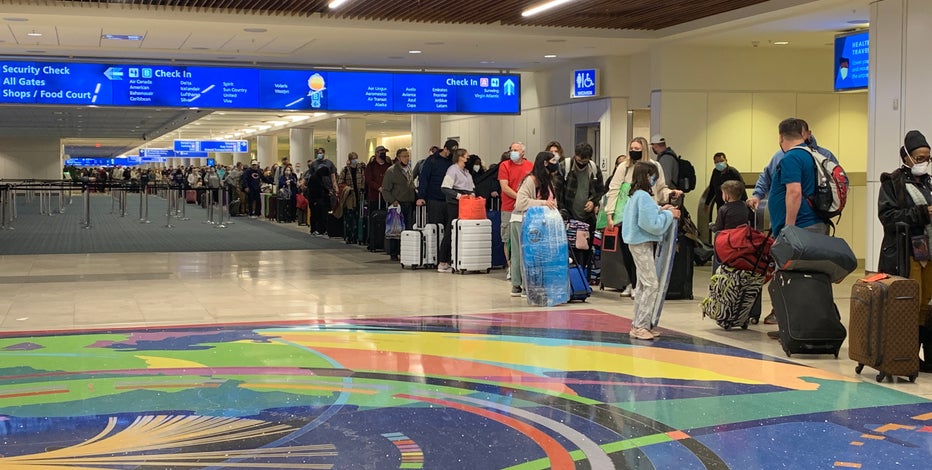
x=521 y=391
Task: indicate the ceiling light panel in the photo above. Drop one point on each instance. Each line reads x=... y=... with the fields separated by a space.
x=542 y=7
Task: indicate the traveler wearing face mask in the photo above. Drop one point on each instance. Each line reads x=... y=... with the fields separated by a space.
x=906 y=197
x=375 y=172
x=616 y=201
x=579 y=192
x=723 y=172
x=353 y=182
x=536 y=189
x=484 y=179
x=510 y=174
x=320 y=159
x=398 y=191
x=793 y=182
x=555 y=148
x=288 y=184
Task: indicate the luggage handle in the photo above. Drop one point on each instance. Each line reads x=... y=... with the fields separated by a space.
x=420 y=216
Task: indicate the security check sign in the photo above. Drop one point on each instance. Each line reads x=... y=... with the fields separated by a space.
x=585 y=83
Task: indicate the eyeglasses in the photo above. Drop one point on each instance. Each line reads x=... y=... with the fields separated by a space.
x=921 y=158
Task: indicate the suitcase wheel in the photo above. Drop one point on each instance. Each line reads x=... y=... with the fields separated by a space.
x=880 y=377
x=858 y=368
x=744 y=326
x=912 y=378
x=754 y=321
x=488 y=270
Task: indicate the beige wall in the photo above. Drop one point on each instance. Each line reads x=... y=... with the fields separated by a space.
x=30 y=159
x=731 y=101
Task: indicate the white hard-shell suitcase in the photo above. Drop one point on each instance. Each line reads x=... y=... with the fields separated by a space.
x=472 y=245
x=419 y=246
x=412 y=249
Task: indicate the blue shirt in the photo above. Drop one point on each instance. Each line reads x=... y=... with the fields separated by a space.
x=796 y=166
x=762 y=188
x=643 y=221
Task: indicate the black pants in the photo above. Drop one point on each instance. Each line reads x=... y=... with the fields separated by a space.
x=439 y=212
x=393 y=245
x=254 y=201
x=319 y=211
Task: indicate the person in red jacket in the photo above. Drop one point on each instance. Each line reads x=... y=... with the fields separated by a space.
x=375 y=172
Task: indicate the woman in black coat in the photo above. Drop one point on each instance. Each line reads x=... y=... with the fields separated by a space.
x=906 y=198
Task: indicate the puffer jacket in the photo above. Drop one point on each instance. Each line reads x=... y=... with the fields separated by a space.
x=894 y=204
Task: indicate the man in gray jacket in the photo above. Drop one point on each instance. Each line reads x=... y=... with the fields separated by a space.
x=398 y=191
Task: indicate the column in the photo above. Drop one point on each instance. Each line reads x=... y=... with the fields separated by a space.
x=900 y=95
x=300 y=143
x=267 y=150
x=425 y=132
x=224 y=159
x=243 y=158
x=351 y=137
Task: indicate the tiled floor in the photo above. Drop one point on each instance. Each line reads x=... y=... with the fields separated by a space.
x=313 y=359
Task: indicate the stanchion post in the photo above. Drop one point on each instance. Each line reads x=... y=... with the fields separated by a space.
x=87 y=208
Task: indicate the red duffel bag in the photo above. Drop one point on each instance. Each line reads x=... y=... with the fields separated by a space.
x=472 y=208
x=745 y=248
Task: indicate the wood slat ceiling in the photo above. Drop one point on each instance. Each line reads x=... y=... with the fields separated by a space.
x=599 y=14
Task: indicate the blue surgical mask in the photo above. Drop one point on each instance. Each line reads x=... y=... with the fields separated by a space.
x=515 y=156
x=320 y=156
x=653 y=181
x=720 y=166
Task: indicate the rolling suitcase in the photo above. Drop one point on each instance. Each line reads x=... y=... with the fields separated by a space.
x=414 y=252
x=376 y=236
x=334 y=226
x=733 y=296
x=498 y=245
x=884 y=324
x=472 y=245
x=190 y=196
x=681 y=276
x=614 y=262
x=806 y=313
x=580 y=290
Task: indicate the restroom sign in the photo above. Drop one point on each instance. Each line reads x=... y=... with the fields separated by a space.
x=585 y=83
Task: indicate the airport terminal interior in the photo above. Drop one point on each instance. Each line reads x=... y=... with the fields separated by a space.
x=137 y=334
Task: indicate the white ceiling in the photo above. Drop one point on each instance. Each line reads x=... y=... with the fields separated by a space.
x=74 y=32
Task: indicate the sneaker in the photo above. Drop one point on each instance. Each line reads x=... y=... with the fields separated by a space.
x=508 y=274
x=517 y=291
x=654 y=332
x=444 y=268
x=641 y=333
x=770 y=319
x=626 y=292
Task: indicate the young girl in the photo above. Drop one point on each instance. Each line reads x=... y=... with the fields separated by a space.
x=644 y=224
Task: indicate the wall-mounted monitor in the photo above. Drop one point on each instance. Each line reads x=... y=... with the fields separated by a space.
x=851 y=61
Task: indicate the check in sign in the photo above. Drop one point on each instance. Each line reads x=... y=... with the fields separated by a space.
x=585 y=83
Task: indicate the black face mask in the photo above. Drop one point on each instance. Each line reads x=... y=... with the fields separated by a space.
x=636 y=154
x=581 y=165
x=552 y=167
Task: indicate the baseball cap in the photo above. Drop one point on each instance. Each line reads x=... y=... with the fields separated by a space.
x=254 y=162
x=658 y=139
x=380 y=148
x=451 y=145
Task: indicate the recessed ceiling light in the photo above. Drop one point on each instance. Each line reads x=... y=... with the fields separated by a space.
x=255 y=30
x=415 y=51
x=780 y=43
x=486 y=61
x=34 y=34
x=13 y=18
x=550 y=56
x=336 y=3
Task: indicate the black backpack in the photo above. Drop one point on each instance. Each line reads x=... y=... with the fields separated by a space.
x=687 y=175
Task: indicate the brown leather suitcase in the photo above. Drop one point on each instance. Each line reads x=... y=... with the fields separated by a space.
x=884 y=326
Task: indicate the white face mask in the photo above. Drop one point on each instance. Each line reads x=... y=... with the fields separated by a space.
x=476 y=168
x=843 y=72
x=556 y=154
x=920 y=169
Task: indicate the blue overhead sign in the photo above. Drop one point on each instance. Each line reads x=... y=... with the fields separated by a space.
x=154 y=152
x=188 y=146
x=254 y=88
x=585 y=83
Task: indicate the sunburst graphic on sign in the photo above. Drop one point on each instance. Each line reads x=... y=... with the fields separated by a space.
x=168 y=441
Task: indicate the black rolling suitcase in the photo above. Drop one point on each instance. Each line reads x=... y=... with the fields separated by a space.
x=615 y=256
x=376 y=220
x=806 y=313
x=681 y=277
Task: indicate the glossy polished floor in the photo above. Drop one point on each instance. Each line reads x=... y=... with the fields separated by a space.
x=336 y=358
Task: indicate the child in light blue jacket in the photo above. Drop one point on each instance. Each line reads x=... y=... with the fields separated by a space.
x=644 y=225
